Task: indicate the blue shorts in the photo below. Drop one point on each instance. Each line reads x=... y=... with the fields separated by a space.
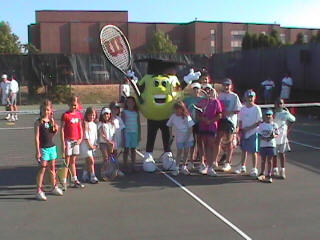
x=49 y=154
x=131 y=139
x=268 y=151
x=182 y=145
x=250 y=144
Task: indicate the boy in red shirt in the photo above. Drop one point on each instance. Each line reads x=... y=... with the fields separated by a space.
x=71 y=137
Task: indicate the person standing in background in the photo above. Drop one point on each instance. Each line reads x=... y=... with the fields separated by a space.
x=5 y=89
x=14 y=89
x=268 y=90
x=286 y=85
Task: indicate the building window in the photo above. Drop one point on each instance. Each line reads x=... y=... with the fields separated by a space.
x=282 y=38
x=236 y=40
x=305 y=38
x=213 y=41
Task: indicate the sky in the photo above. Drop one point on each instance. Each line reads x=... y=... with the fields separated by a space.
x=288 y=13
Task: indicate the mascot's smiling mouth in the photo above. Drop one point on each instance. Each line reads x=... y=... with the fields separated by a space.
x=160 y=99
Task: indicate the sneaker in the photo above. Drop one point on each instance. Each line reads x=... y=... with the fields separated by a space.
x=85 y=176
x=120 y=173
x=241 y=169
x=12 y=119
x=94 y=180
x=223 y=159
x=7 y=117
x=77 y=184
x=57 y=191
x=211 y=172
x=269 y=179
x=203 y=170
x=215 y=165
x=283 y=173
x=254 y=172
x=175 y=172
x=202 y=167
x=226 y=167
x=261 y=177
x=190 y=166
x=184 y=170
x=275 y=171
x=16 y=117
x=41 y=196
x=64 y=186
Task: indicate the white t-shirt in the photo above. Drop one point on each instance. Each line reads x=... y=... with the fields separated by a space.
x=249 y=116
x=108 y=129
x=125 y=90
x=231 y=102
x=282 y=118
x=119 y=125
x=266 y=130
x=268 y=84
x=183 y=127
x=91 y=133
x=285 y=90
x=14 y=86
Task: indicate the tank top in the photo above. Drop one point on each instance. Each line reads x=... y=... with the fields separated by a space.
x=46 y=134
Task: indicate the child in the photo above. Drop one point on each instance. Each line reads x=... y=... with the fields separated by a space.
x=119 y=125
x=46 y=151
x=132 y=131
x=71 y=137
x=190 y=102
x=89 y=145
x=284 y=119
x=183 y=123
x=268 y=131
x=106 y=133
x=209 y=116
x=249 y=119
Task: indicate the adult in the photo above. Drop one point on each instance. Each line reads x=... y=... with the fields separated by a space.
x=14 y=89
x=286 y=85
x=231 y=106
x=5 y=89
x=268 y=86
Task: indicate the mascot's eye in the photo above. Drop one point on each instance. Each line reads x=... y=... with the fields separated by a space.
x=164 y=83
x=156 y=83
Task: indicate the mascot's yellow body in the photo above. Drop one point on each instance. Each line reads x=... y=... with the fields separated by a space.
x=159 y=95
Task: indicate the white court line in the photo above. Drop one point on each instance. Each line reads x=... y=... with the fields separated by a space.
x=305 y=145
x=209 y=208
x=17 y=128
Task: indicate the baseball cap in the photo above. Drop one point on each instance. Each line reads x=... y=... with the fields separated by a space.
x=114 y=105
x=4 y=76
x=196 y=85
x=207 y=85
x=105 y=110
x=268 y=112
x=227 y=81
x=249 y=93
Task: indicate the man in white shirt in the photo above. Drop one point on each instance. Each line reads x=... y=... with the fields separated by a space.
x=268 y=89
x=5 y=89
x=228 y=124
x=286 y=85
x=14 y=89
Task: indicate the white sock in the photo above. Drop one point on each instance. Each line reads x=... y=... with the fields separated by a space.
x=74 y=178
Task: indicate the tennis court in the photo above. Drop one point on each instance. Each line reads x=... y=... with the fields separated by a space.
x=157 y=206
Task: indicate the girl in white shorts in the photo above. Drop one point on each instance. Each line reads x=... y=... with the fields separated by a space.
x=89 y=145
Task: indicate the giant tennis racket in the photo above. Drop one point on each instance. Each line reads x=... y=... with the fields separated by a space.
x=117 y=50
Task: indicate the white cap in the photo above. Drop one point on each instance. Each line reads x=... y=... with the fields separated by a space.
x=105 y=110
x=196 y=85
x=4 y=76
x=207 y=85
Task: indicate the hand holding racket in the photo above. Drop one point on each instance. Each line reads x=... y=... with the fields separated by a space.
x=117 y=50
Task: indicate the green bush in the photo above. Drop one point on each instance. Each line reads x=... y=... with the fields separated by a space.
x=61 y=94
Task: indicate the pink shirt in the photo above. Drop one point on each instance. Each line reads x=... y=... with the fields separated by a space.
x=211 y=109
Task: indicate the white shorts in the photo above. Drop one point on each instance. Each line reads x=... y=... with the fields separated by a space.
x=85 y=151
x=72 y=148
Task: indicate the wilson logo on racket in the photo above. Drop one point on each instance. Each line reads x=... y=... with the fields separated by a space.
x=115 y=46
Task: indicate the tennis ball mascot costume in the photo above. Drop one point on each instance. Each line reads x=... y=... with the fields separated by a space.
x=160 y=89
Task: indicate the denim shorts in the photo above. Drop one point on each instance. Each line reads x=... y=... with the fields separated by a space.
x=250 y=144
x=267 y=151
x=181 y=145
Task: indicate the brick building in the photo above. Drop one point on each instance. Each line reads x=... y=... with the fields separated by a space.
x=78 y=32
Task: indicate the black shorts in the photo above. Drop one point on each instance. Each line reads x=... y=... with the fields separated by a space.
x=195 y=129
x=226 y=126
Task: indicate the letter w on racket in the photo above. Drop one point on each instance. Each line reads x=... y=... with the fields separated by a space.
x=115 y=46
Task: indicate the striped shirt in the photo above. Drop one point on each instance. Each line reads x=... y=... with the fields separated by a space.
x=130 y=121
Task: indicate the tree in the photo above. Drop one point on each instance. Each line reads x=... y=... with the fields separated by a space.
x=246 y=41
x=30 y=48
x=316 y=38
x=161 y=43
x=275 y=38
x=9 y=42
x=299 y=39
